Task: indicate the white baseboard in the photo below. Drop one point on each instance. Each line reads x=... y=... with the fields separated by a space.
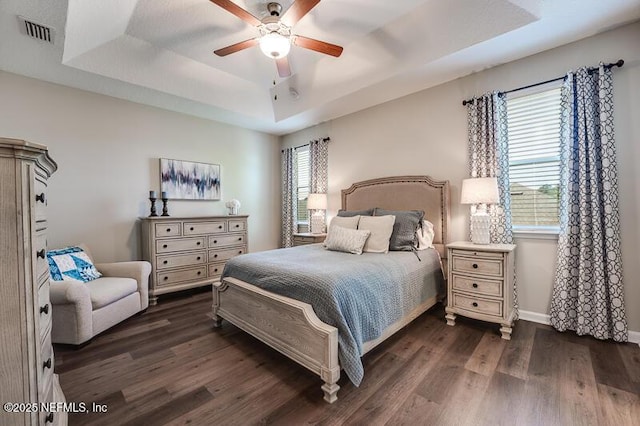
x=634 y=336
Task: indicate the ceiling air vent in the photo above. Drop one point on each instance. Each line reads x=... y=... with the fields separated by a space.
x=35 y=30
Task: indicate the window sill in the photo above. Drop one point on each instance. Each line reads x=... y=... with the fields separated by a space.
x=537 y=233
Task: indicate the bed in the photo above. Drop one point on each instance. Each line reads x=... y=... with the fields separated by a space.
x=290 y=325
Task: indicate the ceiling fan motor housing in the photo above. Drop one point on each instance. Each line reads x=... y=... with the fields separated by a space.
x=275 y=9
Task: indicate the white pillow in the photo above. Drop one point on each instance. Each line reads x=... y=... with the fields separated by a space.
x=346 y=240
x=425 y=235
x=349 y=222
x=381 y=228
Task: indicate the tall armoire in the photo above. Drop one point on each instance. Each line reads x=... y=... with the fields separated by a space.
x=26 y=353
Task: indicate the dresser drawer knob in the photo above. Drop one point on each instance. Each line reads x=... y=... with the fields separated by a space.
x=475 y=266
x=41 y=253
x=199 y=272
x=164 y=246
x=475 y=304
x=49 y=418
x=165 y=262
x=40 y=197
x=240 y=239
x=165 y=278
x=198 y=243
x=47 y=363
x=215 y=241
x=168 y=229
x=44 y=309
x=215 y=270
x=239 y=251
x=191 y=229
x=198 y=258
x=219 y=226
x=237 y=226
x=215 y=255
x=474 y=285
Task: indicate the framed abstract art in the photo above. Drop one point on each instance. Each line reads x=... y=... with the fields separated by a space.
x=189 y=180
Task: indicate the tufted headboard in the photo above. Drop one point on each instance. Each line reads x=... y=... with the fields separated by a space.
x=405 y=193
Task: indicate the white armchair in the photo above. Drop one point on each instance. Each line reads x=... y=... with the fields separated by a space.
x=81 y=311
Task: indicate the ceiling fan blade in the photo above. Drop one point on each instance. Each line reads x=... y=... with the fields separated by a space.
x=236 y=47
x=317 y=45
x=297 y=10
x=284 y=70
x=231 y=7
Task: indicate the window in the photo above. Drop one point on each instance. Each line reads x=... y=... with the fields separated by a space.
x=302 y=191
x=533 y=122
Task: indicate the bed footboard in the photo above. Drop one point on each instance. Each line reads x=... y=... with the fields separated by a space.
x=287 y=325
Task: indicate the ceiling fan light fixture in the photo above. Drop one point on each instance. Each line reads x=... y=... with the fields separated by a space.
x=275 y=45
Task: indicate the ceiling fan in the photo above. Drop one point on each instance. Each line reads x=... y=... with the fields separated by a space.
x=275 y=33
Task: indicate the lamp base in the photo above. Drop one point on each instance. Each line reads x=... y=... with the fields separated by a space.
x=317 y=223
x=480 y=224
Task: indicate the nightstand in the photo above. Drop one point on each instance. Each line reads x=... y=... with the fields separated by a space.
x=481 y=283
x=302 y=238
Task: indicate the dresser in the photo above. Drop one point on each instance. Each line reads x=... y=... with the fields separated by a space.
x=302 y=238
x=480 y=284
x=26 y=354
x=188 y=252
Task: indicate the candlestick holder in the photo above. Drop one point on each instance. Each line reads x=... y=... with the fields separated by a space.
x=153 y=206
x=165 y=211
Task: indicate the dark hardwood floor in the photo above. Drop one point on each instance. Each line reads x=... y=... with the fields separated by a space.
x=168 y=366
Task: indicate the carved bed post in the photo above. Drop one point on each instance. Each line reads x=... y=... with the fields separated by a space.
x=217 y=288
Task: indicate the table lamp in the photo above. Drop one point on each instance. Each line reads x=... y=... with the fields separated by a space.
x=480 y=191
x=317 y=204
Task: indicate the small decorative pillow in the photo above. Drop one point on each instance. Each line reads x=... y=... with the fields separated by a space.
x=349 y=213
x=403 y=237
x=71 y=264
x=346 y=240
x=425 y=235
x=381 y=228
x=349 y=222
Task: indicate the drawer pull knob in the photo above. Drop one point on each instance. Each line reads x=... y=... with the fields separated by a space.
x=40 y=197
x=191 y=229
x=237 y=226
x=219 y=226
x=474 y=285
x=165 y=278
x=165 y=262
x=239 y=251
x=199 y=272
x=215 y=241
x=164 y=246
x=198 y=243
x=215 y=270
x=475 y=304
x=240 y=239
x=44 y=309
x=49 y=418
x=168 y=229
x=198 y=258
x=215 y=255
x=475 y=266
x=47 y=363
x=40 y=253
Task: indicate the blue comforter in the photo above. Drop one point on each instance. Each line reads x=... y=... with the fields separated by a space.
x=360 y=295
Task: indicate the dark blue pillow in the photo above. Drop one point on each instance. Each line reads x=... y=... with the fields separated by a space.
x=351 y=213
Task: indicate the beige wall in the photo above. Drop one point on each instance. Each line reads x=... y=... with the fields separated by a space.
x=426 y=133
x=107 y=152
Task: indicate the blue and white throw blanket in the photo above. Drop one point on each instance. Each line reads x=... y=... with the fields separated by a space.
x=360 y=295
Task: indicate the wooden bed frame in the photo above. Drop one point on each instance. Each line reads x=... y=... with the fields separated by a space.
x=291 y=326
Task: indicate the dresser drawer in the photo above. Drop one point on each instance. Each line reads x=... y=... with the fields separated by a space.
x=226 y=240
x=477 y=286
x=45 y=367
x=177 y=260
x=43 y=414
x=477 y=304
x=44 y=310
x=477 y=266
x=40 y=196
x=172 y=229
x=179 y=244
x=220 y=255
x=40 y=254
x=237 y=225
x=172 y=277
x=197 y=228
x=215 y=270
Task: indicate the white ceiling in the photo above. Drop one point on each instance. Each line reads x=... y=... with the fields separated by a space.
x=159 y=52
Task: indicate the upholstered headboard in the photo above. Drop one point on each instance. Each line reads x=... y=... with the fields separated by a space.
x=405 y=193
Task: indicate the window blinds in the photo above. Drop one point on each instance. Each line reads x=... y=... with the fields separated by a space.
x=534 y=157
x=302 y=156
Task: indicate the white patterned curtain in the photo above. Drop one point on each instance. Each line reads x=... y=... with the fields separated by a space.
x=289 y=198
x=318 y=169
x=489 y=157
x=588 y=293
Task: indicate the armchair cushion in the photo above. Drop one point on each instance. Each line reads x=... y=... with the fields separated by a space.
x=106 y=290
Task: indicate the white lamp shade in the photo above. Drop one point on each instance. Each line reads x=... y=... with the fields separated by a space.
x=480 y=191
x=275 y=45
x=317 y=202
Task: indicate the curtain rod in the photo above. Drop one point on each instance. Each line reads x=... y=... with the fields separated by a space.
x=327 y=139
x=619 y=63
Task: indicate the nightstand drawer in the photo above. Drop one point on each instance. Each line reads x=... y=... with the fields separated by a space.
x=477 y=304
x=477 y=286
x=477 y=266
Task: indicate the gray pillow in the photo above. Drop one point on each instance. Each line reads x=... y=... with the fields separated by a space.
x=349 y=213
x=403 y=237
